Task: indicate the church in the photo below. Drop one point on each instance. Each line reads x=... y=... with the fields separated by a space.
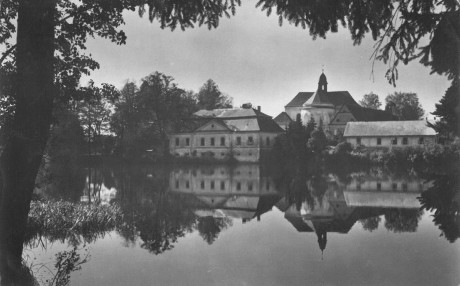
x=329 y=109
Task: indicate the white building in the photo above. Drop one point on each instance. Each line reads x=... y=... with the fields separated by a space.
x=242 y=133
x=389 y=133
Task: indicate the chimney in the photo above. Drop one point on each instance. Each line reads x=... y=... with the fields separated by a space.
x=258 y=108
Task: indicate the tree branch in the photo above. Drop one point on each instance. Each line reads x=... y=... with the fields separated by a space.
x=6 y=53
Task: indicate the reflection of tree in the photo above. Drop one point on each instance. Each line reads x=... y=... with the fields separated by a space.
x=440 y=198
x=210 y=227
x=402 y=220
x=370 y=223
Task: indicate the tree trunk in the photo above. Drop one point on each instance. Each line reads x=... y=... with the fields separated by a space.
x=29 y=132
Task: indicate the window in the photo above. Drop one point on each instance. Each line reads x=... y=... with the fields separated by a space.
x=394 y=186
x=222 y=141
x=379 y=186
x=358 y=140
x=250 y=140
x=249 y=186
x=394 y=141
x=405 y=141
x=202 y=185
x=238 y=140
x=268 y=141
x=404 y=186
x=238 y=186
x=177 y=184
x=187 y=141
x=379 y=141
x=222 y=185
x=202 y=142
x=187 y=184
x=267 y=187
x=421 y=140
x=358 y=186
x=177 y=141
x=212 y=185
x=213 y=141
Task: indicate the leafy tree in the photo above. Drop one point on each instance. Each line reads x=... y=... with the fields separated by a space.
x=405 y=105
x=210 y=227
x=402 y=220
x=371 y=100
x=445 y=110
x=143 y=116
x=94 y=111
x=370 y=224
x=318 y=141
x=210 y=97
x=48 y=61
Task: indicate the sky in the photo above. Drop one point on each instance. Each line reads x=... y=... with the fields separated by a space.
x=253 y=59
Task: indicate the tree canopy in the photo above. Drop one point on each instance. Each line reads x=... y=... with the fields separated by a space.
x=210 y=97
x=371 y=100
x=405 y=105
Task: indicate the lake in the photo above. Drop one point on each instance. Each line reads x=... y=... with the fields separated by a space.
x=253 y=225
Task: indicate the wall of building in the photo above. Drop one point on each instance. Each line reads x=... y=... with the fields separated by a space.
x=387 y=141
x=323 y=115
x=247 y=148
x=293 y=111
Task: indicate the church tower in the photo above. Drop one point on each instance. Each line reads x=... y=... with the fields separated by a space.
x=322 y=83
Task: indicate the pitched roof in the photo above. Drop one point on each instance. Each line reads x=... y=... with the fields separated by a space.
x=299 y=99
x=388 y=128
x=241 y=119
x=363 y=114
x=337 y=98
x=283 y=117
x=369 y=114
x=319 y=98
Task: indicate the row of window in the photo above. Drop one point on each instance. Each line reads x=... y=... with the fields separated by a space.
x=212 y=141
x=394 y=186
x=212 y=185
x=394 y=141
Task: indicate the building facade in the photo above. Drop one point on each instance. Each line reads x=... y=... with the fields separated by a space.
x=389 y=134
x=245 y=134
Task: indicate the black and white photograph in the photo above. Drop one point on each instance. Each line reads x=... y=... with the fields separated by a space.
x=230 y=142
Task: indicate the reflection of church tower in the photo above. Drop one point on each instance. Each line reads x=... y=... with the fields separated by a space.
x=322 y=240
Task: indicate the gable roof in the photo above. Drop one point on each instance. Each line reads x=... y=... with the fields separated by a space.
x=299 y=99
x=336 y=98
x=211 y=122
x=240 y=119
x=283 y=117
x=369 y=114
x=388 y=128
x=363 y=114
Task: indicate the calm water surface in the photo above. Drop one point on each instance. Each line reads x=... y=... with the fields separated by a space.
x=244 y=225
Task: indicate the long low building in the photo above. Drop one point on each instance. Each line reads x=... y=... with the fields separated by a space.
x=389 y=133
x=242 y=133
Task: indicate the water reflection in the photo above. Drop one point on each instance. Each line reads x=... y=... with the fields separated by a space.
x=160 y=206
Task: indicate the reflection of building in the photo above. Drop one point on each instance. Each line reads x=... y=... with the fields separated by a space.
x=341 y=205
x=389 y=133
x=237 y=192
x=242 y=133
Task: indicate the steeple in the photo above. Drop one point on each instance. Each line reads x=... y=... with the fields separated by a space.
x=322 y=83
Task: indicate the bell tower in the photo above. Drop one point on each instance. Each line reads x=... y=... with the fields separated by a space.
x=322 y=83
